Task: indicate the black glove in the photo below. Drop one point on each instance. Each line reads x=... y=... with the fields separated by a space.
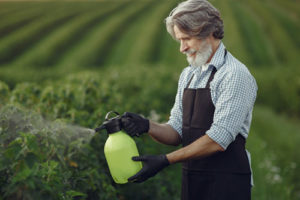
x=151 y=165
x=134 y=124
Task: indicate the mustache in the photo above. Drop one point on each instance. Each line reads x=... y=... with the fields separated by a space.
x=190 y=51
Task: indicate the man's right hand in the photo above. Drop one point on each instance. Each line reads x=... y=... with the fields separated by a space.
x=134 y=124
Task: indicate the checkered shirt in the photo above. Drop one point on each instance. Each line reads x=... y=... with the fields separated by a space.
x=233 y=92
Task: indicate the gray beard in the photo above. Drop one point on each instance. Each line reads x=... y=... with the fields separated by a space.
x=202 y=55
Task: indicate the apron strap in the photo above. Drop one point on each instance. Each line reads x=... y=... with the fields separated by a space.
x=190 y=81
x=214 y=71
x=211 y=77
x=209 y=80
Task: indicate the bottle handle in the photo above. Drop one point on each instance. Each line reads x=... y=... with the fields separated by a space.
x=107 y=119
x=107 y=115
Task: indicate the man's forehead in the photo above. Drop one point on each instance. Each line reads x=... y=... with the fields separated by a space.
x=179 y=34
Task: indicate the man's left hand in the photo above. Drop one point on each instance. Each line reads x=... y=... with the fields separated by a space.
x=134 y=124
x=151 y=165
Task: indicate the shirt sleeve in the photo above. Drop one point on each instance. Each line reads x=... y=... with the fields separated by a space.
x=235 y=98
x=175 y=120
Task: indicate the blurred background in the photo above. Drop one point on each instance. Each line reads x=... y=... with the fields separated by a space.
x=77 y=60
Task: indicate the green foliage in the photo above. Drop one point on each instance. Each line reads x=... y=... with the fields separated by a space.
x=83 y=99
x=26 y=94
x=279 y=89
x=4 y=92
x=50 y=160
x=273 y=142
x=59 y=160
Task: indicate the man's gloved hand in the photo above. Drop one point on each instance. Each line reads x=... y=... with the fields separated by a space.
x=151 y=165
x=134 y=124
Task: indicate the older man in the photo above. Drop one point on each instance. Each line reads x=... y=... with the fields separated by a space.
x=212 y=113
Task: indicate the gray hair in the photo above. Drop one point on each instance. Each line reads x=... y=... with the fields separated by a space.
x=196 y=18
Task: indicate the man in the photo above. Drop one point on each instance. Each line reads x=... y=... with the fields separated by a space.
x=212 y=113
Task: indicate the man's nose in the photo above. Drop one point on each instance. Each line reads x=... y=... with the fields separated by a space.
x=183 y=46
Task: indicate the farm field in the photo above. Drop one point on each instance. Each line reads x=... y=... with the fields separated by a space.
x=65 y=64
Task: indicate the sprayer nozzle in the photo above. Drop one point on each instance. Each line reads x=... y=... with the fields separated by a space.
x=99 y=128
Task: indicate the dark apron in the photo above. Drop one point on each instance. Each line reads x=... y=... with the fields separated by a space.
x=223 y=175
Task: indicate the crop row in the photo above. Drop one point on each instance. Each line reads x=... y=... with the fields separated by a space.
x=49 y=50
x=254 y=38
x=73 y=38
x=11 y=9
x=157 y=36
x=281 y=41
x=292 y=7
x=233 y=39
x=287 y=21
x=56 y=39
x=115 y=31
x=140 y=48
x=19 y=19
x=26 y=37
x=19 y=41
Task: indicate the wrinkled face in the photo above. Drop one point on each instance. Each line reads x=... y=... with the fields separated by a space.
x=197 y=51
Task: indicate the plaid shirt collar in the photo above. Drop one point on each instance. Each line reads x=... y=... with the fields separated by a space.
x=217 y=60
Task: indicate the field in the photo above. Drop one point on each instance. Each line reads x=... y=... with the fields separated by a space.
x=65 y=64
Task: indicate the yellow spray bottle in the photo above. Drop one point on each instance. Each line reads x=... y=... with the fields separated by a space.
x=119 y=148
